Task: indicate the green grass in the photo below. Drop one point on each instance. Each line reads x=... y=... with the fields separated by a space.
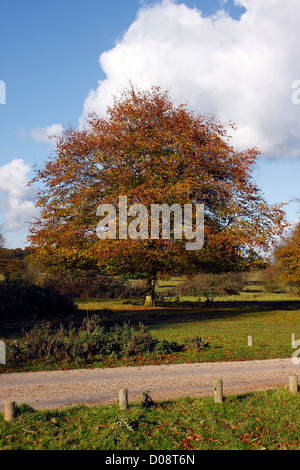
x=262 y=420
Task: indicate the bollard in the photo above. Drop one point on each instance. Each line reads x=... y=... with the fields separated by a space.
x=293 y=341
x=293 y=383
x=250 y=341
x=2 y=353
x=123 y=398
x=218 y=390
x=9 y=411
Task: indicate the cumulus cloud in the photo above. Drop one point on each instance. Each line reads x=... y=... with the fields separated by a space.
x=241 y=70
x=44 y=134
x=18 y=205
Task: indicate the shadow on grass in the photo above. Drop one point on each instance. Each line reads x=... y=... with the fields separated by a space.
x=190 y=311
x=172 y=312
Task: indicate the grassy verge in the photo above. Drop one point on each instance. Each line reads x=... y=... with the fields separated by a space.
x=254 y=421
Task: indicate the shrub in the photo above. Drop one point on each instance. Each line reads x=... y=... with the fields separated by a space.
x=132 y=342
x=86 y=285
x=196 y=343
x=212 y=285
x=91 y=340
x=92 y=285
x=167 y=347
x=271 y=279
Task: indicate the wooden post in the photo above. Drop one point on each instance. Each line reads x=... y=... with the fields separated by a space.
x=123 y=398
x=293 y=341
x=218 y=390
x=9 y=411
x=250 y=341
x=293 y=383
x=2 y=353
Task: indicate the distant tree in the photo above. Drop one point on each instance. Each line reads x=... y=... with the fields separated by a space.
x=2 y=238
x=287 y=257
x=153 y=152
x=12 y=263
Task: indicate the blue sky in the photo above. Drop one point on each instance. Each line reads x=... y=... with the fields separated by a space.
x=60 y=59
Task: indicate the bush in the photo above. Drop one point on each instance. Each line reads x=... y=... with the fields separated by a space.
x=22 y=301
x=92 y=285
x=129 y=341
x=167 y=347
x=91 y=340
x=86 y=285
x=213 y=285
x=70 y=344
x=196 y=343
x=271 y=279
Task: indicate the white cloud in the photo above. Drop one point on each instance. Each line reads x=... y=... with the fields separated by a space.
x=44 y=134
x=18 y=204
x=240 y=70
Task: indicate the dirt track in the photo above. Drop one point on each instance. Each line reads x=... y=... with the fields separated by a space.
x=57 y=389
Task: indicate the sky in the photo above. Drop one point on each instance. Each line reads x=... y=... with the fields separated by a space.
x=61 y=59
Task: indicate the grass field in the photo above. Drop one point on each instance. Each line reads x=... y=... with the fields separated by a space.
x=266 y=420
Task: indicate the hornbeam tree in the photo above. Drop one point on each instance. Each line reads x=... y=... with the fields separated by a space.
x=153 y=152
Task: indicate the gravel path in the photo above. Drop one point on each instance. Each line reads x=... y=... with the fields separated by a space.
x=56 y=389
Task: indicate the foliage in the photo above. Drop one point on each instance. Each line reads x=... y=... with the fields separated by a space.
x=271 y=279
x=153 y=152
x=23 y=301
x=196 y=343
x=90 y=341
x=287 y=258
x=86 y=285
x=211 y=285
x=147 y=400
x=17 y=265
x=12 y=262
x=132 y=342
x=68 y=345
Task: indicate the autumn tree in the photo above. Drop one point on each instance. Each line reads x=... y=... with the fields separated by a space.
x=151 y=151
x=287 y=257
x=12 y=263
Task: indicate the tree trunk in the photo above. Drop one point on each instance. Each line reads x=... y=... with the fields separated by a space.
x=150 y=291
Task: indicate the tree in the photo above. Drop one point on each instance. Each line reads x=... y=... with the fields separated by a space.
x=153 y=152
x=2 y=239
x=12 y=263
x=287 y=257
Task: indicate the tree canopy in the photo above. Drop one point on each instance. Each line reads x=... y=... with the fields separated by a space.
x=154 y=152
